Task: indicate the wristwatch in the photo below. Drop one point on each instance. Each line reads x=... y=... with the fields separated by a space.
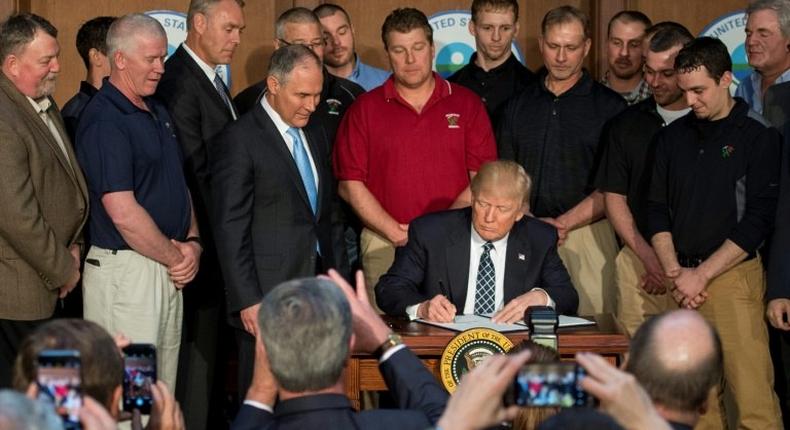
x=393 y=339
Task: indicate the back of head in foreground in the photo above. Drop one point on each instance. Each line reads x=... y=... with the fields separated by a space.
x=677 y=358
x=17 y=412
x=306 y=328
x=100 y=360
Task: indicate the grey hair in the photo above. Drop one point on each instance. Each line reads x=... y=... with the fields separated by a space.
x=123 y=31
x=781 y=7
x=287 y=58
x=19 y=30
x=17 y=412
x=202 y=7
x=306 y=328
x=296 y=15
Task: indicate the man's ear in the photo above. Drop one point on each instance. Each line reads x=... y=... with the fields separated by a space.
x=115 y=402
x=352 y=342
x=272 y=85
x=726 y=80
x=200 y=23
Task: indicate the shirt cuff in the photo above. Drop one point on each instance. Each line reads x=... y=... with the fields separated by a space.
x=549 y=301
x=411 y=311
x=388 y=353
x=259 y=405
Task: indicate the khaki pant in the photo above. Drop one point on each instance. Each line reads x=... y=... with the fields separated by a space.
x=634 y=305
x=735 y=308
x=378 y=253
x=589 y=253
x=132 y=294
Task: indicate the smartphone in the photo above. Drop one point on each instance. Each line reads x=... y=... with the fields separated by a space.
x=548 y=385
x=139 y=373
x=59 y=380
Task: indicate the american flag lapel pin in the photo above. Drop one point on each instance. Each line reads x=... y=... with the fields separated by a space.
x=522 y=257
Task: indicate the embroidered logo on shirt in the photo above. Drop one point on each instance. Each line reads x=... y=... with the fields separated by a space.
x=334 y=106
x=727 y=150
x=522 y=257
x=452 y=120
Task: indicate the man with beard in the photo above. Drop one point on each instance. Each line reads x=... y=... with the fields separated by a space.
x=45 y=201
x=625 y=33
x=624 y=177
x=340 y=56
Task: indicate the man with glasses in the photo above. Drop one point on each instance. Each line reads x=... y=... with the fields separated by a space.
x=301 y=26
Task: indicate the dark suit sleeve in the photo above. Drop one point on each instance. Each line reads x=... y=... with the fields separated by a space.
x=554 y=279
x=232 y=188
x=251 y=418
x=412 y=385
x=778 y=267
x=400 y=287
x=185 y=112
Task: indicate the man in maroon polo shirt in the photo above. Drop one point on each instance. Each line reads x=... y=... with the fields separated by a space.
x=410 y=146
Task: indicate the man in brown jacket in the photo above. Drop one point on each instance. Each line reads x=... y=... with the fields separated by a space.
x=43 y=198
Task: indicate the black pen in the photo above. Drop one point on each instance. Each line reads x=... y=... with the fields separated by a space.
x=446 y=293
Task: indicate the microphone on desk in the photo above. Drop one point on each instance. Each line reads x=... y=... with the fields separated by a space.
x=542 y=322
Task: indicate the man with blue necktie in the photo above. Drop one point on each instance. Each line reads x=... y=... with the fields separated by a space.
x=272 y=191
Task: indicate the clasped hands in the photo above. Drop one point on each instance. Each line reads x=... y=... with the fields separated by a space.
x=184 y=271
x=688 y=286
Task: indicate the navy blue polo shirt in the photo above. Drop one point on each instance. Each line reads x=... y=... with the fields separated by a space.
x=124 y=148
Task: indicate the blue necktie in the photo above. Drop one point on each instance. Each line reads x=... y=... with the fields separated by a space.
x=486 y=280
x=303 y=164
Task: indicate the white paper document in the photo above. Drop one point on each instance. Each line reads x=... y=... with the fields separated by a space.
x=466 y=322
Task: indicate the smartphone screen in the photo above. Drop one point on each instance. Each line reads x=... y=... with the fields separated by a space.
x=550 y=385
x=139 y=373
x=59 y=383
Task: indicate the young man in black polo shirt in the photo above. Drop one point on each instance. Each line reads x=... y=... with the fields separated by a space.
x=552 y=129
x=624 y=178
x=712 y=201
x=493 y=72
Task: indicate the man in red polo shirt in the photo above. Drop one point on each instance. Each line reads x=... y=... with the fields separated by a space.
x=410 y=146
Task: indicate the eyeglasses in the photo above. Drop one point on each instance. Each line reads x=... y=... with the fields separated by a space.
x=311 y=46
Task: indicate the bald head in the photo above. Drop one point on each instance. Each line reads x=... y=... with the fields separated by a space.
x=677 y=358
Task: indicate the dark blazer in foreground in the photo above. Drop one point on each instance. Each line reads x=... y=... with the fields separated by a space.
x=264 y=227
x=420 y=397
x=43 y=208
x=779 y=264
x=438 y=253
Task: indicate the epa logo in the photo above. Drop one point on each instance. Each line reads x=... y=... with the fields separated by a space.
x=730 y=29
x=454 y=45
x=175 y=25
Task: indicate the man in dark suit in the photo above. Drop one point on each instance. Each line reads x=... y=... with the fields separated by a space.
x=272 y=193
x=200 y=106
x=308 y=330
x=512 y=260
x=43 y=193
x=301 y=26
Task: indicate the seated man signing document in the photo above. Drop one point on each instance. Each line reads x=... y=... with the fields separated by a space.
x=489 y=259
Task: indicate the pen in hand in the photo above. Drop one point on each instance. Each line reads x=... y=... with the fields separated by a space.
x=446 y=293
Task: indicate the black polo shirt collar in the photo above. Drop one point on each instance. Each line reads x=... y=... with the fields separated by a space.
x=582 y=87
x=88 y=89
x=116 y=97
x=479 y=74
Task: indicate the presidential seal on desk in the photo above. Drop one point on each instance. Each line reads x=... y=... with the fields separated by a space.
x=468 y=349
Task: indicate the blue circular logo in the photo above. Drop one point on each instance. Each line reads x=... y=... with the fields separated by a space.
x=729 y=28
x=452 y=57
x=454 y=44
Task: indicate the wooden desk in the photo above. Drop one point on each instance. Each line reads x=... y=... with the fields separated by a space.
x=428 y=342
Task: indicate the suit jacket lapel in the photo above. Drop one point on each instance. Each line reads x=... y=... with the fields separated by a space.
x=314 y=146
x=76 y=173
x=39 y=127
x=278 y=142
x=207 y=86
x=458 y=259
x=518 y=255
